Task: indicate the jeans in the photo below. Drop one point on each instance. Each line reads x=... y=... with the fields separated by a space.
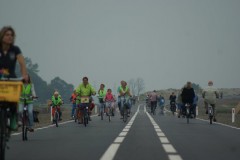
x=30 y=112
x=73 y=109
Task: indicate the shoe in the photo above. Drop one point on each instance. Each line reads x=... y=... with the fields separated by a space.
x=30 y=130
x=206 y=111
x=89 y=119
x=214 y=120
x=98 y=114
x=60 y=119
x=79 y=122
x=178 y=116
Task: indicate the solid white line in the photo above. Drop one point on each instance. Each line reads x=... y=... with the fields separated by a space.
x=222 y=124
x=49 y=126
x=225 y=125
x=169 y=148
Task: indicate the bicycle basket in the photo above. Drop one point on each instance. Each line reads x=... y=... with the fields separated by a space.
x=10 y=91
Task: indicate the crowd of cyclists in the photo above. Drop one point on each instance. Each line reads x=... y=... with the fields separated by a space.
x=81 y=97
x=185 y=96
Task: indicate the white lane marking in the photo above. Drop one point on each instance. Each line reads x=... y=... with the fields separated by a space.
x=119 y=140
x=174 y=157
x=113 y=148
x=225 y=125
x=49 y=126
x=123 y=134
x=222 y=124
x=125 y=129
x=164 y=139
x=169 y=148
x=160 y=134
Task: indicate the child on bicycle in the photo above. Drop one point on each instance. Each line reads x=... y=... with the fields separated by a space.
x=56 y=103
x=28 y=93
x=109 y=98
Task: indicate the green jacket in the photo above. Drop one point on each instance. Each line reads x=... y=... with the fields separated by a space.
x=26 y=93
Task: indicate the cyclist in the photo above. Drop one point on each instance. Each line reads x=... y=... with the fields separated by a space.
x=123 y=90
x=161 y=104
x=102 y=93
x=109 y=98
x=210 y=94
x=56 y=103
x=172 y=98
x=188 y=96
x=179 y=103
x=84 y=89
x=153 y=98
x=9 y=55
x=73 y=100
x=29 y=93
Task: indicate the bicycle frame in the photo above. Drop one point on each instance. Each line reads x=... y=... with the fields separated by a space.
x=210 y=113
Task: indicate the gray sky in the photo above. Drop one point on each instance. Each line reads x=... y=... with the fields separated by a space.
x=166 y=42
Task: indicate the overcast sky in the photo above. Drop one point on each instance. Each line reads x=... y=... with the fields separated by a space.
x=165 y=42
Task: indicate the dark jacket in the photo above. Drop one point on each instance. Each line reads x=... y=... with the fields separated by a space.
x=188 y=95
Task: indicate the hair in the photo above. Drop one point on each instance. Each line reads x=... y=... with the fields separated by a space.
x=3 y=32
x=109 y=90
x=85 y=78
x=103 y=85
x=189 y=84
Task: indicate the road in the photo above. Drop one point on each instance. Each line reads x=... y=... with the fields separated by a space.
x=144 y=136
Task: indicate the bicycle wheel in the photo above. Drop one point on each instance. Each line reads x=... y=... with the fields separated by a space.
x=24 y=126
x=125 y=116
x=210 y=116
x=85 y=119
x=3 y=117
x=109 y=114
x=56 y=118
x=101 y=113
x=188 y=115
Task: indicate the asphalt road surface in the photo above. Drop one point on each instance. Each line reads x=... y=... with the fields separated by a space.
x=144 y=136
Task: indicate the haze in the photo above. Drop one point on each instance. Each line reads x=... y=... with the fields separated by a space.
x=165 y=42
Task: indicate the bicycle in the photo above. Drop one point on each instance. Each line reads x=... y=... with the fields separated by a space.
x=188 y=111
x=173 y=107
x=85 y=101
x=56 y=115
x=153 y=108
x=10 y=90
x=25 y=118
x=124 y=108
x=110 y=109
x=210 y=113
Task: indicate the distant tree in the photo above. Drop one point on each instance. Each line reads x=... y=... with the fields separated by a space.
x=132 y=86
x=196 y=87
x=139 y=85
x=65 y=89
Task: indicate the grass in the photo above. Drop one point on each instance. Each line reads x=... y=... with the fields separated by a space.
x=224 y=111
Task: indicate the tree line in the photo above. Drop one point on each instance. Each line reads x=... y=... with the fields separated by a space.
x=44 y=90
